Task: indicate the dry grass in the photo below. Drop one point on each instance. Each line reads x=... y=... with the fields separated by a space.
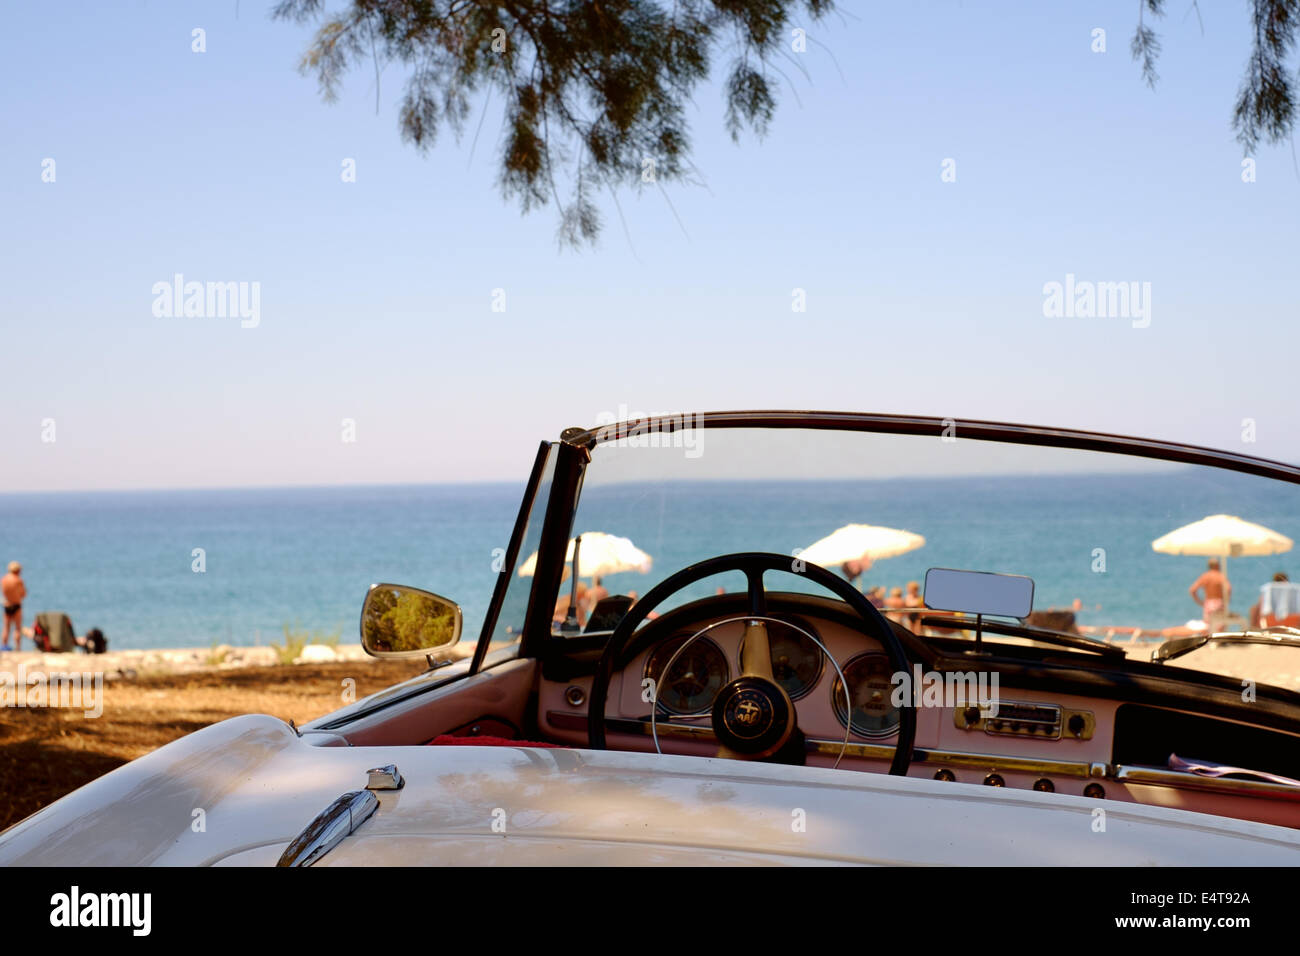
x=46 y=752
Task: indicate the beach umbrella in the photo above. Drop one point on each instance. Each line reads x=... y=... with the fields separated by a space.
x=1222 y=536
x=856 y=542
x=600 y=554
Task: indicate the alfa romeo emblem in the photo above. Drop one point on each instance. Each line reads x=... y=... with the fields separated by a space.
x=748 y=714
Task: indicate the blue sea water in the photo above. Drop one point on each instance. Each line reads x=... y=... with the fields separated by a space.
x=124 y=561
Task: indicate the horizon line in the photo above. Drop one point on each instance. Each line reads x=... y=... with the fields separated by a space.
x=1167 y=468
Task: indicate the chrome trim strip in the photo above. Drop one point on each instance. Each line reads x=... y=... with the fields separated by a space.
x=1160 y=776
x=970 y=761
x=327 y=830
x=975 y=761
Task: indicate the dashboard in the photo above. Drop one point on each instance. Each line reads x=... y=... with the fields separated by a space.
x=686 y=672
x=1035 y=737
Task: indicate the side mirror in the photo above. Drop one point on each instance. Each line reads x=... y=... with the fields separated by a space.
x=400 y=621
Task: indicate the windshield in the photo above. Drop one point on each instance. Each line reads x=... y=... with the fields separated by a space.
x=1082 y=524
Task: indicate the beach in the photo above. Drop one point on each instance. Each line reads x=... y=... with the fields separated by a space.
x=151 y=698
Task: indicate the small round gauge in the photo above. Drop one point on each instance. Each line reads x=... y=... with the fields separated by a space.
x=870 y=690
x=698 y=674
x=796 y=660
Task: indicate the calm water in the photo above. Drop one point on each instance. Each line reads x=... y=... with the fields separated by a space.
x=305 y=557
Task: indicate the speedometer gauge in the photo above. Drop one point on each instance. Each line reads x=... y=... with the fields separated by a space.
x=697 y=675
x=869 y=692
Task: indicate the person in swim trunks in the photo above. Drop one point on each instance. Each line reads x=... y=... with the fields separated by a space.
x=14 y=590
x=1218 y=590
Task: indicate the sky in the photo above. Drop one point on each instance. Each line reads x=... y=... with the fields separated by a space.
x=377 y=355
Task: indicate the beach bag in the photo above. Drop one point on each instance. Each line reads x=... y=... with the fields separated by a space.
x=54 y=633
x=96 y=642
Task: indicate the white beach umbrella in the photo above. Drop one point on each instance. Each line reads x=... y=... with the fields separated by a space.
x=1222 y=536
x=600 y=554
x=854 y=542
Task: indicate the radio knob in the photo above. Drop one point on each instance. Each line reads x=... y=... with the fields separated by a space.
x=1077 y=724
x=972 y=715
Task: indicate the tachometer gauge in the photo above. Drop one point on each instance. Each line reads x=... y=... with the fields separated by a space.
x=869 y=692
x=697 y=675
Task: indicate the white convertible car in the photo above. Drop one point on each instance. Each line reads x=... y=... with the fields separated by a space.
x=754 y=705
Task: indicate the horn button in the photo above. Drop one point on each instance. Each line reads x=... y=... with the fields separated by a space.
x=752 y=716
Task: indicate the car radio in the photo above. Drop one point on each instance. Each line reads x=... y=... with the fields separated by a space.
x=1020 y=719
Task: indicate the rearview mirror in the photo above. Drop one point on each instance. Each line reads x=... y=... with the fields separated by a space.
x=979 y=592
x=401 y=621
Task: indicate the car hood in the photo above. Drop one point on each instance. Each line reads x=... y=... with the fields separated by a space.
x=238 y=792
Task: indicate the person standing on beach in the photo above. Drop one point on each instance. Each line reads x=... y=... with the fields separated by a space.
x=913 y=599
x=1218 y=591
x=595 y=594
x=14 y=591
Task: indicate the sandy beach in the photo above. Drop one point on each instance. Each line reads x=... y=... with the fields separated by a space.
x=164 y=661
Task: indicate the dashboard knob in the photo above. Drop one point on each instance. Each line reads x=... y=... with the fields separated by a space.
x=1077 y=724
x=972 y=715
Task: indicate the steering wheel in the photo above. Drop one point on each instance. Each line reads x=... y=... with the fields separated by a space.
x=753 y=716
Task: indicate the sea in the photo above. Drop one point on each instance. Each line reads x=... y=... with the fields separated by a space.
x=195 y=568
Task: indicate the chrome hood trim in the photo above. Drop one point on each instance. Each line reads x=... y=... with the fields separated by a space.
x=336 y=822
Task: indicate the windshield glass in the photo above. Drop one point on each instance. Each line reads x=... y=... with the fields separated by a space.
x=1082 y=524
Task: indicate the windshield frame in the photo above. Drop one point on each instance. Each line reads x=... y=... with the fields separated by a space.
x=975 y=429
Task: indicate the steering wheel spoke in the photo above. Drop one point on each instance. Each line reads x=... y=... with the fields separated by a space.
x=756 y=651
x=757 y=595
